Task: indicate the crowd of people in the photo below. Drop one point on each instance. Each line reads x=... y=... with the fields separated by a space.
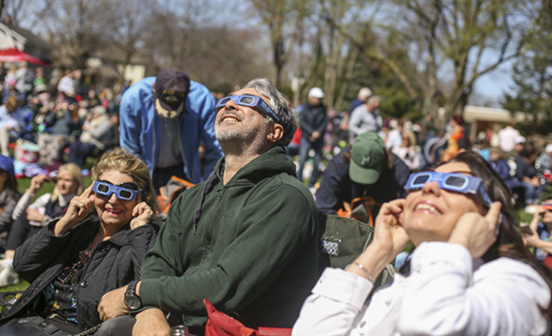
x=64 y=117
x=246 y=236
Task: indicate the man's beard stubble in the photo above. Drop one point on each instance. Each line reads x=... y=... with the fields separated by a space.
x=237 y=141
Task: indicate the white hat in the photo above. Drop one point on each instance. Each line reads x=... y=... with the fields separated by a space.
x=316 y=92
x=520 y=139
x=99 y=109
x=548 y=148
x=365 y=93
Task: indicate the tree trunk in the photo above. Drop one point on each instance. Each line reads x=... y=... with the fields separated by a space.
x=345 y=83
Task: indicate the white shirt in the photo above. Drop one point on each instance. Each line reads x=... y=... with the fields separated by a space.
x=39 y=204
x=442 y=296
x=409 y=155
x=394 y=139
x=507 y=138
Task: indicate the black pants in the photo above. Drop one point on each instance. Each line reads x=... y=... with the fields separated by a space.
x=79 y=151
x=117 y=326
x=162 y=175
x=122 y=326
x=21 y=231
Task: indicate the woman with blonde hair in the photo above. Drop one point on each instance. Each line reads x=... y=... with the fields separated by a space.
x=76 y=259
x=406 y=151
x=30 y=218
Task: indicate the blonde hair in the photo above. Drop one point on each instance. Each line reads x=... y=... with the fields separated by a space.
x=125 y=162
x=74 y=170
x=411 y=138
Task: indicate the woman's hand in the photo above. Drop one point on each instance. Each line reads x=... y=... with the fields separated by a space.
x=36 y=184
x=78 y=209
x=142 y=214
x=389 y=240
x=389 y=233
x=34 y=215
x=475 y=232
x=532 y=240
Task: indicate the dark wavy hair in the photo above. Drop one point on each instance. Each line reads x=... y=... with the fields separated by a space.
x=509 y=242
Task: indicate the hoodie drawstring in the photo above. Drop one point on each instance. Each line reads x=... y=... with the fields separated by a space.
x=197 y=214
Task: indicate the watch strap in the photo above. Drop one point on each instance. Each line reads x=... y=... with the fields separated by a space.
x=131 y=288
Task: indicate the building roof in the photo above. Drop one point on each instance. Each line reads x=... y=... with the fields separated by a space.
x=28 y=36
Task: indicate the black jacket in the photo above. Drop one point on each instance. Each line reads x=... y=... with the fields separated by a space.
x=336 y=186
x=113 y=264
x=313 y=118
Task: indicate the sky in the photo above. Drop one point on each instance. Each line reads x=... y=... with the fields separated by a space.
x=496 y=83
x=489 y=88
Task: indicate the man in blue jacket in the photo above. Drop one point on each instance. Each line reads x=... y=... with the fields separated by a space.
x=163 y=119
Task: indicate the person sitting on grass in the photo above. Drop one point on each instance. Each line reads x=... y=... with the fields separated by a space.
x=30 y=218
x=541 y=229
x=77 y=258
x=8 y=197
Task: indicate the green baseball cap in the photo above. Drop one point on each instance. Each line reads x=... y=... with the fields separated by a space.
x=367 y=155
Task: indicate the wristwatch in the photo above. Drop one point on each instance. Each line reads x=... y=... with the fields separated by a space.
x=132 y=301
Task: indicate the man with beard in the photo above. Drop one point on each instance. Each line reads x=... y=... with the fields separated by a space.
x=163 y=119
x=246 y=239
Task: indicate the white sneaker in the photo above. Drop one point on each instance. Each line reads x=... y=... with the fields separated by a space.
x=5 y=263
x=530 y=209
x=8 y=276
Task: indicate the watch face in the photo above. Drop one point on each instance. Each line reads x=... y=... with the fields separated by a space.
x=132 y=302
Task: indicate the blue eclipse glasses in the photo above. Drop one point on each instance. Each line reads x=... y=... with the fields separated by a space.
x=459 y=183
x=251 y=101
x=122 y=191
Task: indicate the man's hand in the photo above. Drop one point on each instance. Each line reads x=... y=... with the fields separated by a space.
x=151 y=322
x=314 y=136
x=113 y=304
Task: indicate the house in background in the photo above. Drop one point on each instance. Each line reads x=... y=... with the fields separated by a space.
x=23 y=40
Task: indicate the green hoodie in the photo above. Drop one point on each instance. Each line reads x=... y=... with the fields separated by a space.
x=254 y=254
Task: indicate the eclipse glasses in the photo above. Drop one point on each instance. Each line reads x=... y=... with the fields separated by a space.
x=251 y=101
x=454 y=182
x=125 y=191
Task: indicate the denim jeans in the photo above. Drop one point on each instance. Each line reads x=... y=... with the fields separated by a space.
x=532 y=193
x=306 y=145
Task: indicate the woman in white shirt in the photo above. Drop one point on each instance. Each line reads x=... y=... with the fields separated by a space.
x=30 y=218
x=406 y=151
x=467 y=275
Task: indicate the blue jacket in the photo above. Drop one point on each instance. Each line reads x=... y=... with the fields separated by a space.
x=141 y=129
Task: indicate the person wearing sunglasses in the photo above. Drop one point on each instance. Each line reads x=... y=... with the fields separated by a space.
x=540 y=230
x=96 y=246
x=469 y=273
x=163 y=120
x=246 y=239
